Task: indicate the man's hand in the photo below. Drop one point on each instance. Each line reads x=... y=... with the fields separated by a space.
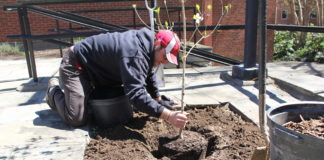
x=176 y=118
x=167 y=102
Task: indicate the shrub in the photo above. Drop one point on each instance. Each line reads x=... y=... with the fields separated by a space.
x=285 y=47
x=9 y=49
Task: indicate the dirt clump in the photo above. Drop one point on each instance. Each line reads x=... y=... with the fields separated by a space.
x=227 y=135
x=191 y=146
x=314 y=127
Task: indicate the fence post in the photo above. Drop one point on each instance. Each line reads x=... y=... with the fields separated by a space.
x=249 y=70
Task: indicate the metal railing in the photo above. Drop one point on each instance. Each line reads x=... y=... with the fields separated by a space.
x=103 y=27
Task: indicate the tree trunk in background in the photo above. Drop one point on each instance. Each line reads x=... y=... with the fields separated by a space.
x=302 y=9
x=318 y=16
x=322 y=12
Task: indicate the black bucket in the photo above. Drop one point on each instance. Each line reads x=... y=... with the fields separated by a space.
x=286 y=144
x=110 y=107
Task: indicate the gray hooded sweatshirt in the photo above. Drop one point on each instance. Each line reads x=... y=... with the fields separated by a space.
x=123 y=59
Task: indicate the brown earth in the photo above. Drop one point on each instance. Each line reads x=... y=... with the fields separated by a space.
x=314 y=127
x=227 y=135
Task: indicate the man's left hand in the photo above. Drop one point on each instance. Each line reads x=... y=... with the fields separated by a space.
x=167 y=102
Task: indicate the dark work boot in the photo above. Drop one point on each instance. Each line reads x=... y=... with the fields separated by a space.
x=53 y=85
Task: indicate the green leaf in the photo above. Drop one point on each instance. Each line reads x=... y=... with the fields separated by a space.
x=166 y=24
x=195 y=17
x=157 y=10
x=322 y=44
x=134 y=5
x=226 y=8
x=205 y=33
x=198 y=7
x=209 y=7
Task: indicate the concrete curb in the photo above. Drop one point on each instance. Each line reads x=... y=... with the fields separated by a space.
x=298 y=91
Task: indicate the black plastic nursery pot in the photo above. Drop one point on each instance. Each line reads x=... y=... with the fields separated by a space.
x=286 y=144
x=110 y=107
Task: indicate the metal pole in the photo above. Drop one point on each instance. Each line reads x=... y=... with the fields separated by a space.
x=151 y=12
x=159 y=70
x=23 y=32
x=58 y=31
x=248 y=70
x=251 y=20
x=262 y=63
x=71 y=39
x=195 y=37
x=30 y=45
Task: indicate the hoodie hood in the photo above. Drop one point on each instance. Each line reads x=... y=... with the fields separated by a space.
x=146 y=41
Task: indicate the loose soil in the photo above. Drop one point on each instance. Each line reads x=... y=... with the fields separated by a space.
x=314 y=127
x=227 y=135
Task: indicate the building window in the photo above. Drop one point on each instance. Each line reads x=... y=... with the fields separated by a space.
x=284 y=14
x=313 y=15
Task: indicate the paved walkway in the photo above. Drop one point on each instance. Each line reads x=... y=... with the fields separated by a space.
x=29 y=130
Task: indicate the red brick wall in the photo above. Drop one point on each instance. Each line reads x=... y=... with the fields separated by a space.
x=226 y=42
x=40 y=24
x=282 y=5
x=230 y=43
x=8 y=22
x=270 y=33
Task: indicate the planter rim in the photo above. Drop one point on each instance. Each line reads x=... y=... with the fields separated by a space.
x=269 y=119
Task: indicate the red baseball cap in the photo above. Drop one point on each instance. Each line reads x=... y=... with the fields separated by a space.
x=170 y=41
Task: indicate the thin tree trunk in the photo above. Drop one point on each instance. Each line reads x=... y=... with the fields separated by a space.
x=318 y=13
x=322 y=12
x=276 y=12
x=293 y=6
x=300 y=12
x=183 y=59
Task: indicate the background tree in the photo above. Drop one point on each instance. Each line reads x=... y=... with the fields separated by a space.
x=302 y=11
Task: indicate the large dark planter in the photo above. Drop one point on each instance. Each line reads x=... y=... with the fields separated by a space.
x=110 y=107
x=286 y=144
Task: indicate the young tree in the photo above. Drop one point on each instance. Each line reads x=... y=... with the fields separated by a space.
x=198 y=18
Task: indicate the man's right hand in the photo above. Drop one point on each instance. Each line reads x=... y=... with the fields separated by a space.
x=176 y=118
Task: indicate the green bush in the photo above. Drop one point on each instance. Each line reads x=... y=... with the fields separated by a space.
x=286 y=47
x=9 y=49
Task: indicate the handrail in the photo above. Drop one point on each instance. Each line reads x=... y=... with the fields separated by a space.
x=46 y=2
x=125 y=9
x=281 y=27
x=75 y=19
x=212 y=56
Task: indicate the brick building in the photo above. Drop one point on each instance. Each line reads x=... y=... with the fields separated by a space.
x=229 y=43
x=284 y=14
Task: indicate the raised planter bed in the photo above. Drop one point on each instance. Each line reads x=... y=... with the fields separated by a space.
x=227 y=135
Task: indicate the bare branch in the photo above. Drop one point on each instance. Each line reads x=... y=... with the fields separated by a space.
x=141 y=18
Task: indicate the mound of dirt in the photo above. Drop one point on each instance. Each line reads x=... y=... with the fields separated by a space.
x=191 y=145
x=227 y=136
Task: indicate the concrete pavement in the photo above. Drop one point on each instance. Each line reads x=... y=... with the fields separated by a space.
x=29 y=130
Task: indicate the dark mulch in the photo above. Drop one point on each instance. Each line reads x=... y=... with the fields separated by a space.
x=314 y=127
